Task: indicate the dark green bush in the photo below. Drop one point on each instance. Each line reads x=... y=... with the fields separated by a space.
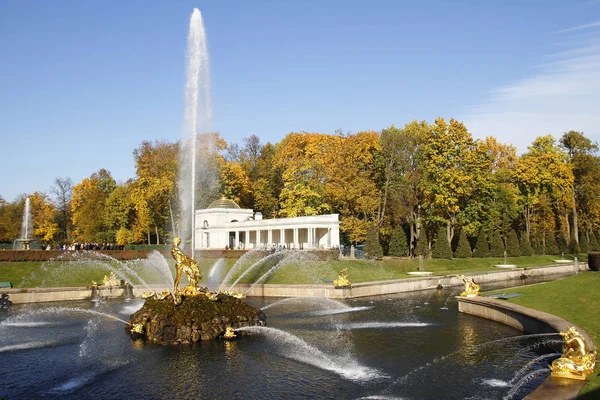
x=398 y=243
x=538 y=244
x=372 y=246
x=463 y=248
x=482 y=247
x=584 y=245
x=421 y=245
x=441 y=247
x=512 y=245
x=526 y=249
x=496 y=245
x=551 y=245
x=594 y=261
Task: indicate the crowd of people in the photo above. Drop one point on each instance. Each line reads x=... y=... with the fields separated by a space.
x=88 y=246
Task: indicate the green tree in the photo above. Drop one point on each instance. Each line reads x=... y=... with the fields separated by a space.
x=538 y=243
x=421 y=245
x=563 y=243
x=441 y=246
x=584 y=244
x=594 y=245
x=551 y=244
x=398 y=243
x=463 y=248
x=372 y=246
x=525 y=245
x=574 y=246
x=512 y=244
x=496 y=245
x=482 y=247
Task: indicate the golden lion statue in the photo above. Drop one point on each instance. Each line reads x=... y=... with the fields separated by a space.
x=471 y=288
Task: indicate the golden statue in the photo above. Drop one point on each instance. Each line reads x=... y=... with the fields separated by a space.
x=342 y=280
x=577 y=360
x=187 y=265
x=111 y=280
x=229 y=333
x=471 y=288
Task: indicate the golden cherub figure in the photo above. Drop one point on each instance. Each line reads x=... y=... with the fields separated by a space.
x=186 y=265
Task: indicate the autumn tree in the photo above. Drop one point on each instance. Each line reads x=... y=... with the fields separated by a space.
x=156 y=166
x=456 y=174
x=545 y=180
x=62 y=191
x=88 y=201
x=585 y=164
x=399 y=174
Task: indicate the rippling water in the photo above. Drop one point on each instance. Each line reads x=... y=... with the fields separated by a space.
x=379 y=347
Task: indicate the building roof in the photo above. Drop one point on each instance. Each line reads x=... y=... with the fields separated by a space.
x=223 y=203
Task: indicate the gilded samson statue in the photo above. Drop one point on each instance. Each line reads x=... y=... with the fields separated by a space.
x=577 y=360
x=186 y=265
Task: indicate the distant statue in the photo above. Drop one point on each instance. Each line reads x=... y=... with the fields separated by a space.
x=187 y=265
x=342 y=280
x=471 y=288
x=577 y=360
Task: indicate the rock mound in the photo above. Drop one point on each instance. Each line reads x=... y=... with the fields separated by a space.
x=196 y=318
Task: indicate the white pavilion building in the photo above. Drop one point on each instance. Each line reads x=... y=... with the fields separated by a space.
x=225 y=225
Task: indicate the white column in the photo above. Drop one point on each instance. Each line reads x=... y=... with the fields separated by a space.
x=282 y=237
x=295 y=244
x=310 y=238
x=247 y=240
x=258 y=238
x=269 y=237
x=329 y=238
x=236 y=244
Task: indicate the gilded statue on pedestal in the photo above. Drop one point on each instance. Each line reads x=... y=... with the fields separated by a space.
x=186 y=265
x=342 y=280
x=577 y=360
x=471 y=288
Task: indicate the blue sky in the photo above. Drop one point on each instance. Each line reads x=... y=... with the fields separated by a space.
x=83 y=83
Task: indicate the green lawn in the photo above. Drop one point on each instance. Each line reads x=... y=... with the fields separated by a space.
x=293 y=271
x=575 y=299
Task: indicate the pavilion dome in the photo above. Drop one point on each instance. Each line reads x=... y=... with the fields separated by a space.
x=223 y=203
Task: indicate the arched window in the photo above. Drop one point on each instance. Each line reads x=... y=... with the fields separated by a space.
x=205 y=224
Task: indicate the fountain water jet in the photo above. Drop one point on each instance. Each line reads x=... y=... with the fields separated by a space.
x=26 y=228
x=198 y=119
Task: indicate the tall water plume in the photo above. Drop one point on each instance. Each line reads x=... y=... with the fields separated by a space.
x=197 y=142
x=27 y=223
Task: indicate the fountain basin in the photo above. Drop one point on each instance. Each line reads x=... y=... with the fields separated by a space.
x=420 y=273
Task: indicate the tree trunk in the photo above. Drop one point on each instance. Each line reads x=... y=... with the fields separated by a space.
x=568 y=226
x=148 y=235
x=157 y=237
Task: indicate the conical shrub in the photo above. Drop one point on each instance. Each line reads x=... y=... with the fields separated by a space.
x=372 y=246
x=482 y=247
x=551 y=245
x=538 y=244
x=526 y=249
x=563 y=243
x=398 y=243
x=584 y=245
x=441 y=247
x=421 y=245
x=512 y=245
x=496 y=245
x=463 y=248
x=594 y=246
x=573 y=245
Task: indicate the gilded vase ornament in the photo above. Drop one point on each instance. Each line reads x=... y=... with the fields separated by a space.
x=471 y=288
x=342 y=280
x=577 y=360
x=185 y=265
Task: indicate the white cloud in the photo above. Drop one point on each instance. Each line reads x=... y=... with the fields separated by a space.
x=559 y=96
